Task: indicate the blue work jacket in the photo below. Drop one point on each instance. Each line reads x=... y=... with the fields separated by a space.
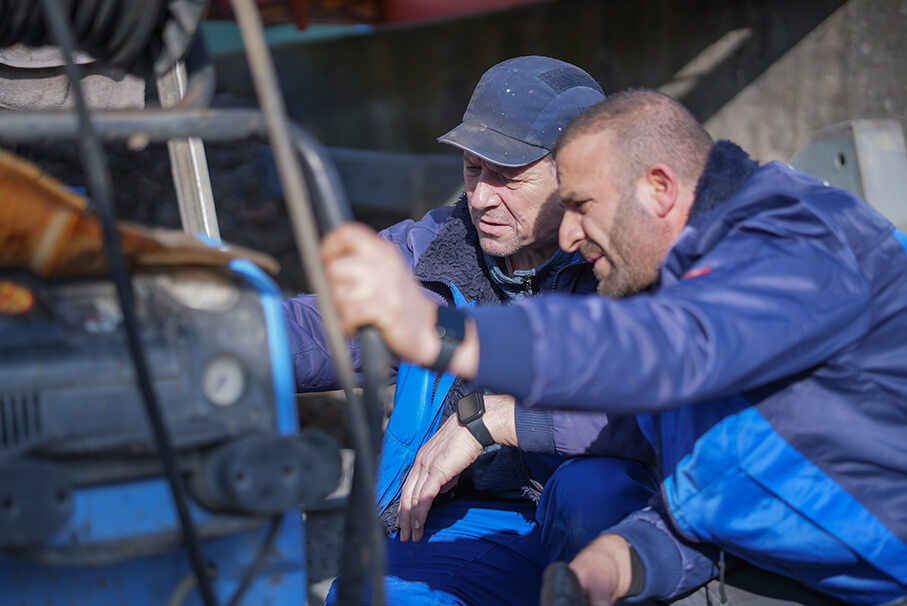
x=769 y=365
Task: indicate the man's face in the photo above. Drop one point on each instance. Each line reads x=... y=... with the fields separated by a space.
x=606 y=217
x=515 y=211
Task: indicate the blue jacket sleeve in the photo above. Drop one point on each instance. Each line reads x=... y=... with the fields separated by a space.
x=563 y=433
x=312 y=364
x=673 y=566
x=770 y=306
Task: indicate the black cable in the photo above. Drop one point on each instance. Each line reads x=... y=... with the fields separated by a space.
x=129 y=34
x=286 y=158
x=258 y=562
x=5 y=26
x=139 y=21
x=92 y=157
x=17 y=18
x=82 y=17
x=364 y=534
x=33 y=27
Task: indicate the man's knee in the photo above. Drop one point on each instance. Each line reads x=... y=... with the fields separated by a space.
x=587 y=495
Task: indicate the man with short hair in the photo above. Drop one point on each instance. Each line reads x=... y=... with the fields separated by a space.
x=475 y=526
x=766 y=358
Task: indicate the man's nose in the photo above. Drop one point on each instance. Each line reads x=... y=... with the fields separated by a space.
x=570 y=234
x=485 y=194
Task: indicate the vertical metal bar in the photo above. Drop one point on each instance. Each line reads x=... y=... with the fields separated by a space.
x=188 y=164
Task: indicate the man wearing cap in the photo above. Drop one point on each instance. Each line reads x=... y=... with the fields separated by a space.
x=766 y=359
x=488 y=536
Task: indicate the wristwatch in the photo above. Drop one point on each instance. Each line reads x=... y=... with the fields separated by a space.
x=470 y=409
x=451 y=327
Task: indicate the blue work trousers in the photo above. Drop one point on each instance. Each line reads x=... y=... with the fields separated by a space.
x=490 y=553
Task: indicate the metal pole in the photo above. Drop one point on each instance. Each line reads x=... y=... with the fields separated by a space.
x=120 y=125
x=306 y=234
x=188 y=164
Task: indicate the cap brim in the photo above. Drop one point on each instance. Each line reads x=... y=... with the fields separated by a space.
x=493 y=146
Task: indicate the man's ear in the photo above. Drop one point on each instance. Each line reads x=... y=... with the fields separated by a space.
x=663 y=187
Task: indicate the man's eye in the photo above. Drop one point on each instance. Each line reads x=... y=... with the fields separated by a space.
x=473 y=168
x=574 y=206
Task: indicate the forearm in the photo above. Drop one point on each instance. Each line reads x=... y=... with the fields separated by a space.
x=313 y=366
x=651 y=353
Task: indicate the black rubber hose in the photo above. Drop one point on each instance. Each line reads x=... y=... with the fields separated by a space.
x=363 y=546
x=92 y=157
x=128 y=34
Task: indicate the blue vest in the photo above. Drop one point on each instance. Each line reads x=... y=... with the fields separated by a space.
x=418 y=407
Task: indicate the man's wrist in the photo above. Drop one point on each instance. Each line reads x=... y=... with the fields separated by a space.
x=450 y=327
x=620 y=551
x=637 y=573
x=470 y=413
x=465 y=362
x=500 y=419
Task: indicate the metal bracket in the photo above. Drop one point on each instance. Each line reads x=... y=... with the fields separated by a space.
x=188 y=164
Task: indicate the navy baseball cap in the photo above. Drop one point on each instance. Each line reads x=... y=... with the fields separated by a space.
x=520 y=106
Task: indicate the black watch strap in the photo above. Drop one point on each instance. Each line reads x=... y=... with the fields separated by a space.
x=637 y=573
x=478 y=430
x=451 y=327
x=470 y=410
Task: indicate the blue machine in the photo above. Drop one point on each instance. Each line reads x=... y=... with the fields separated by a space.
x=85 y=516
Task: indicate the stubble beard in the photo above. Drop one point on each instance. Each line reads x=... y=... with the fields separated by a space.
x=638 y=250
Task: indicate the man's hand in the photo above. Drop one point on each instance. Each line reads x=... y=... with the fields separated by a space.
x=371 y=285
x=443 y=458
x=603 y=569
x=437 y=466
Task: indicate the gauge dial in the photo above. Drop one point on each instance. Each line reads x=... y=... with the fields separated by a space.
x=224 y=380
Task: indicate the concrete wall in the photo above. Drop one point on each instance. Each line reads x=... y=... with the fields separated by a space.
x=853 y=65
x=764 y=72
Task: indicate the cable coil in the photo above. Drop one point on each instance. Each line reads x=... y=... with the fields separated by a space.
x=143 y=37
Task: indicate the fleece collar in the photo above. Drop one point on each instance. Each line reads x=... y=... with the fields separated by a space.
x=456 y=256
x=727 y=169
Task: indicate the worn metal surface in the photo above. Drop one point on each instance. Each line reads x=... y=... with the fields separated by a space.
x=865 y=157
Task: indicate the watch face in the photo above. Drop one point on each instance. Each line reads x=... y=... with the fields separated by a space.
x=469 y=407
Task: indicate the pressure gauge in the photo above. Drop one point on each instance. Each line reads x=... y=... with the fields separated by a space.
x=224 y=380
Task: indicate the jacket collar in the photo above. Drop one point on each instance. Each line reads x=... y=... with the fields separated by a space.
x=456 y=256
x=727 y=169
x=527 y=281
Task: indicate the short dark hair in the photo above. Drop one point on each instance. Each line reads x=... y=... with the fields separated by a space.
x=650 y=127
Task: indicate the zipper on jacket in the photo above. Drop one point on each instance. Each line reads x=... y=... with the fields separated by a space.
x=434 y=389
x=527 y=285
